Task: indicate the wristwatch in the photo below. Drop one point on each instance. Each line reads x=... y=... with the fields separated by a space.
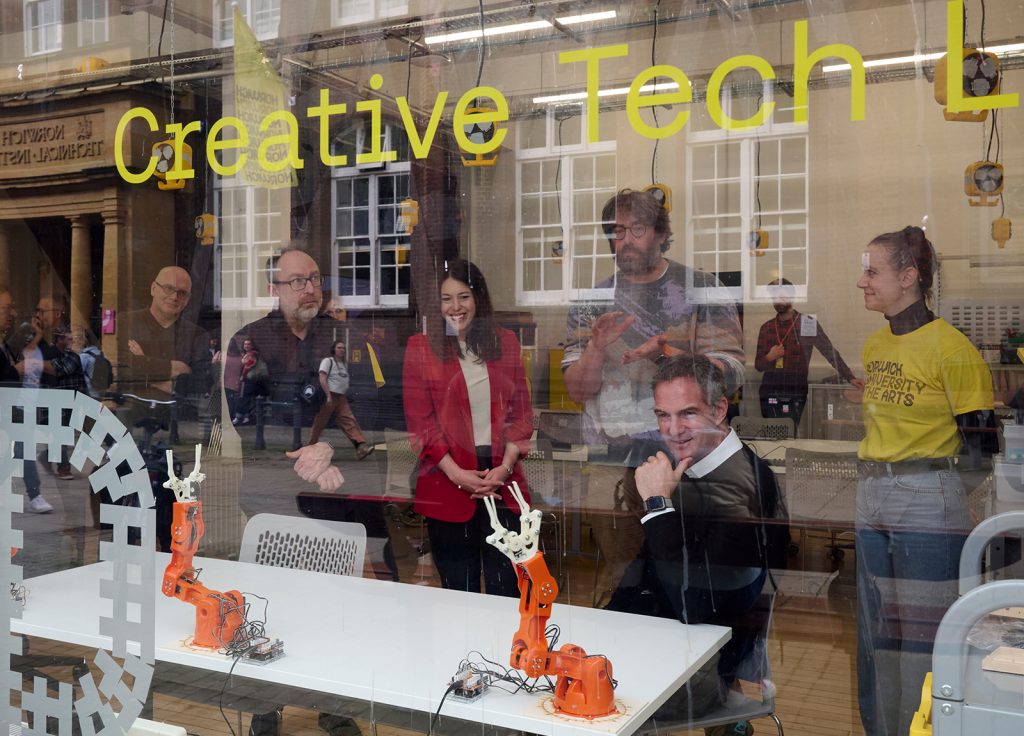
x=657 y=503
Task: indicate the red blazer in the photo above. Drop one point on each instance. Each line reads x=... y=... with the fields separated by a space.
x=439 y=420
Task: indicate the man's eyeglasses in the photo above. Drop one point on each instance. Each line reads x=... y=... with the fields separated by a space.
x=299 y=282
x=637 y=231
x=171 y=291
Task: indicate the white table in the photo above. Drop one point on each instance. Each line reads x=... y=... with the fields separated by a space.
x=392 y=643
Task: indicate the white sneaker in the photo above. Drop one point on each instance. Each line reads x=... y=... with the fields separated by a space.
x=39 y=505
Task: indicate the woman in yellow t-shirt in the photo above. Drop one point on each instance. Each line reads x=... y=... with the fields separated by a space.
x=923 y=381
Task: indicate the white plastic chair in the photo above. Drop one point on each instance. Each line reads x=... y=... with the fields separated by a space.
x=737 y=706
x=761 y=428
x=337 y=547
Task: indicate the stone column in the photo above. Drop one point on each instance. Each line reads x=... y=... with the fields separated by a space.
x=113 y=239
x=81 y=272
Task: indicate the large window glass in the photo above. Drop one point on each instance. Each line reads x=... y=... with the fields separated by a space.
x=715 y=307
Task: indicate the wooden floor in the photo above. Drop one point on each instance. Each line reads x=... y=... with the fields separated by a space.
x=811 y=647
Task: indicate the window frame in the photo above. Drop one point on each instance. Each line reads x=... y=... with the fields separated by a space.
x=569 y=155
x=101 y=19
x=258 y=296
x=30 y=33
x=372 y=10
x=373 y=172
x=224 y=19
x=769 y=131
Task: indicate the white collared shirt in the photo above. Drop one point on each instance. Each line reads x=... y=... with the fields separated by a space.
x=728 y=447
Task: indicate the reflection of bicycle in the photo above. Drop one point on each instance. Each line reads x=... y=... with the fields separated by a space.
x=154 y=454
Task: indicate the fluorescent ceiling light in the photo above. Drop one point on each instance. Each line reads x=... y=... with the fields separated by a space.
x=533 y=25
x=1012 y=48
x=610 y=92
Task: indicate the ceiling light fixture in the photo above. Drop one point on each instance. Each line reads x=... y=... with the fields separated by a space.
x=532 y=25
x=1008 y=49
x=611 y=92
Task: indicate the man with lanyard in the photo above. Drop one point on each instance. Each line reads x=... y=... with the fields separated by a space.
x=660 y=308
x=784 y=347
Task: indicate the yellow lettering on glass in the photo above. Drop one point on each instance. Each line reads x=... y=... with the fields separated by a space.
x=122 y=125
x=276 y=160
x=213 y=145
x=955 y=100
x=714 y=93
x=635 y=100
x=592 y=57
x=802 y=65
x=463 y=119
x=323 y=111
x=421 y=146
x=178 y=134
x=375 y=155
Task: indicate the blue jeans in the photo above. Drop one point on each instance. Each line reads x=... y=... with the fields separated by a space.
x=30 y=474
x=910 y=531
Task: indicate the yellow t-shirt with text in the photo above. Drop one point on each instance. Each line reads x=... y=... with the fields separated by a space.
x=915 y=385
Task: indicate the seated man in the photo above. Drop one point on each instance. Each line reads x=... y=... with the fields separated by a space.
x=703 y=559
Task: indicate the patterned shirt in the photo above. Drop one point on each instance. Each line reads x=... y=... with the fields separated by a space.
x=680 y=305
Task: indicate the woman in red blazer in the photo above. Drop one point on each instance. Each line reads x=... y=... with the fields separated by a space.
x=469 y=418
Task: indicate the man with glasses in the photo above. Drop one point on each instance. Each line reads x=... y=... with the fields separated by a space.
x=292 y=340
x=158 y=351
x=157 y=346
x=660 y=308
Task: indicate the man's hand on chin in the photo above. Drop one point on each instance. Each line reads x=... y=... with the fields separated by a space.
x=656 y=477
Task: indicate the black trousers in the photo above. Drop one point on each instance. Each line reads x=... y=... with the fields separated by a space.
x=461 y=551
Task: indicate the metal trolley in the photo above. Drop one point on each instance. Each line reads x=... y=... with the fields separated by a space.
x=963 y=699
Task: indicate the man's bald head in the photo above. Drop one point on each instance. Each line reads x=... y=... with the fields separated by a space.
x=299 y=306
x=171 y=290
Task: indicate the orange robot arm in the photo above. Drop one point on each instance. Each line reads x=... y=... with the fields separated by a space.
x=218 y=615
x=584 y=686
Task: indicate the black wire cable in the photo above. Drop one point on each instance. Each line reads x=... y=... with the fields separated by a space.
x=982 y=44
x=654 y=108
x=437 y=713
x=757 y=166
x=241 y=643
x=163 y=23
x=483 y=44
x=408 y=75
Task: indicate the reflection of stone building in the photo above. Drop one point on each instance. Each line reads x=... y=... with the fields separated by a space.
x=66 y=220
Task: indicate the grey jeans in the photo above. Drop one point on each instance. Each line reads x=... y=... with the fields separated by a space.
x=910 y=530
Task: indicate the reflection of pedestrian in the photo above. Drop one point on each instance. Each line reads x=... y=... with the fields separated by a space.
x=469 y=418
x=334 y=382
x=253 y=381
x=784 y=347
x=88 y=352
x=30 y=367
x=68 y=375
x=922 y=378
x=11 y=374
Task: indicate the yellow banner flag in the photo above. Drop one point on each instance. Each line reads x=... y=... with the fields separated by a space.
x=259 y=92
x=378 y=374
